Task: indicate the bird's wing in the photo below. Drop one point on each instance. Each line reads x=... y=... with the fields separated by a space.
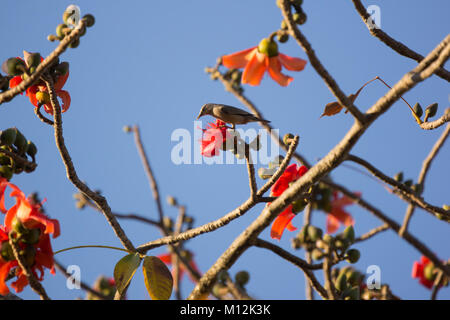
x=234 y=111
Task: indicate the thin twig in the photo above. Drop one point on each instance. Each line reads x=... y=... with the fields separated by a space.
x=437 y=123
x=302 y=264
x=397 y=46
x=99 y=200
x=423 y=173
x=317 y=65
x=372 y=233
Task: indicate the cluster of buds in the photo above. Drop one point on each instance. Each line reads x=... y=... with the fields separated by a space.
x=430 y=111
x=322 y=197
x=299 y=16
x=416 y=188
x=313 y=240
x=70 y=20
x=13 y=141
x=221 y=289
x=104 y=285
x=348 y=282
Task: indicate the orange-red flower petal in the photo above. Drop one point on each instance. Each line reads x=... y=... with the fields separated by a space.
x=292 y=63
x=274 y=67
x=255 y=69
x=239 y=59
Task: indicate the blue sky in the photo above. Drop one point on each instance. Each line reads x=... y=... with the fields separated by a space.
x=143 y=63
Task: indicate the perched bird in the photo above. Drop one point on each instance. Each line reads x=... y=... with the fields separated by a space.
x=228 y=114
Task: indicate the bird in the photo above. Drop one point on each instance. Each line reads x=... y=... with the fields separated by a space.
x=228 y=114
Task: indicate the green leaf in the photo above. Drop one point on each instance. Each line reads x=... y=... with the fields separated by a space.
x=158 y=278
x=125 y=269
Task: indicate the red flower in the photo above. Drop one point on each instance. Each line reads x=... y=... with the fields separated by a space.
x=41 y=87
x=337 y=214
x=31 y=228
x=283 y=221
x=265 y=57
x=167 y=259
x=418 y=271
x=214 y=136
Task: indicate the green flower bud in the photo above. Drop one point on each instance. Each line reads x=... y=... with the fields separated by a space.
x=21 y=142
x=90 y=20
x=314 y=233
x=32 y=59
x=431 y=110
x=352 y=293
x=288 y=138
x=408 y=183
x=60 y=30
x=6 y=252
x=328 y=239
x=219 y=290
x=52 y=38
x=284 y=25
x=62 y=68
x=299 y=17
x=317 y=254
x=172 y=201
x=341 y=243
x=75 y=43
x=242 y=278
x=8 y=136
x=298 y=205
x=349 y=234
x=32 y=149
x=446 y=207
x=341 y=282
x=418 y=109
x=222 y=276
x=14 y=66
x=282 y=38
x=267 y=47
x=399 y=177
x=31 y=237
x=353 y=255
x=302 y=235
x=6 y=172
x=168 y=223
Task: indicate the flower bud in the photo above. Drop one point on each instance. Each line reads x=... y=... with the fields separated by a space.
x=21 y=142
x=314 y=233
x=268 y=47
x=60 y=30
x=32 y=149
x=89 y=19
x=353 y=255
x=172 y=201
x=317 y=254
x=62 y=68
x=222 y=276
x=5 y=160
x=14 y=66
x=6 y=252
x=168 y=223
x=32 y=59
x=431 y=110
x=282 y=38
x=18 y=227
x=446 y=207
x=6 y=172
x=75 y=43
x=341 y=282
x=219 y=290
x=288 y=138
x=284 y=25
x=300 y=17
x=417 y=188
x=349 y=234
x=328 y=239
x=418 y=109
x=8 y=136
x=399 y=177
x=28 y=255
x=298 y=205
x=408 y=183
x=352 y=293
x=242 y=278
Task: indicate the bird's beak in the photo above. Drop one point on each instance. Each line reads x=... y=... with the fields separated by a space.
x=199 y=115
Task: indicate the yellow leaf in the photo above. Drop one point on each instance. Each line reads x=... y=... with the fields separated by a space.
x=335 y=107
x=125 y=269
x=158 y=278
